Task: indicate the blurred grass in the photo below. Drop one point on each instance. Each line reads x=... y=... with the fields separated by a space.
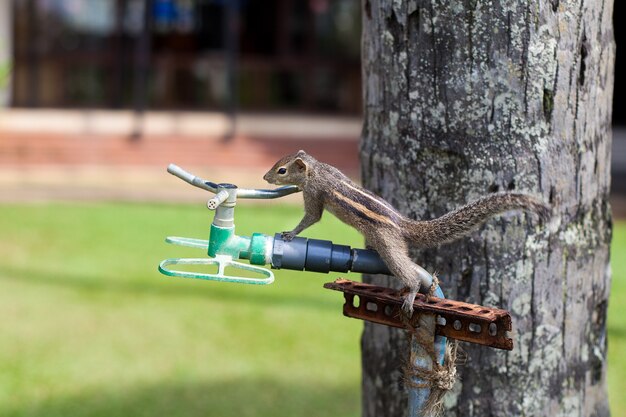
x=89 y=328
x=616 y=324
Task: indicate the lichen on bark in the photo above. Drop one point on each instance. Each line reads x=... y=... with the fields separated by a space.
x=463 y=98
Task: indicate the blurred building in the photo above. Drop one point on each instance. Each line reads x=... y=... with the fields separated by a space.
x=618 y=161
x=181 y=54
x=88 y=75
x=74 y=75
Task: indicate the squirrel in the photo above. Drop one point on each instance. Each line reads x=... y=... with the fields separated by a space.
x=384 y=228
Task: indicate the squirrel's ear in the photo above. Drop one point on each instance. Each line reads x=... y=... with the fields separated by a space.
x=300 y=164
x=301 y=152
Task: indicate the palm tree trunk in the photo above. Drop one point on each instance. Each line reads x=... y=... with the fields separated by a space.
x=464 y=98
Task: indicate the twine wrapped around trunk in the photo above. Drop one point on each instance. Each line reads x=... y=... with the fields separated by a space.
x=440 y=378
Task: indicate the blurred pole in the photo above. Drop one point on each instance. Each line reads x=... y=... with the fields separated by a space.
x=142 y=69
x=117 y=95
x=283 y=12
x=6 y=47
x=231 y=46
x=33 y=50
x=311 y=55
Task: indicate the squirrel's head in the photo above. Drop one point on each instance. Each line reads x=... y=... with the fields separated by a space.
x=290 y=170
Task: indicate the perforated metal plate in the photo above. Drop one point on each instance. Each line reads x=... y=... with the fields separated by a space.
x=456 y=320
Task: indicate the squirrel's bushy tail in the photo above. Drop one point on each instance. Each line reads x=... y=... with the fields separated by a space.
x=462 y=221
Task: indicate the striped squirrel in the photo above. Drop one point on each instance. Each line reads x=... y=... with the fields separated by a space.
x=385 y=229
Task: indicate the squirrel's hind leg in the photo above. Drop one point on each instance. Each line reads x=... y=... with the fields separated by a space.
x=402 y=267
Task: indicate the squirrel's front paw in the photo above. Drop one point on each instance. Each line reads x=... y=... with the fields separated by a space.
x=287 y=236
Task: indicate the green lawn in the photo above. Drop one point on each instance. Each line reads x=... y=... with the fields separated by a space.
x=617 y=323
x=89 y=328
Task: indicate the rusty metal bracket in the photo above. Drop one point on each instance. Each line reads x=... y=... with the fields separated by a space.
x=456 y=320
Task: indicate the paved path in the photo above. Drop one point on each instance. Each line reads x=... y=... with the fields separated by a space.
x=90 y=155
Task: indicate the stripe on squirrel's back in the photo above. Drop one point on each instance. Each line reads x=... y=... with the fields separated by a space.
x=361 y=211
x=372 y=202
x=371 y=196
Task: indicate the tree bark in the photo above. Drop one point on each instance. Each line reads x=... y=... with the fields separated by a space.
x=463 y=98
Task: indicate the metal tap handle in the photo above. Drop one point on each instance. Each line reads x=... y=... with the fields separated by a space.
x=241 y=192
x=192 y=179
x=267 y=194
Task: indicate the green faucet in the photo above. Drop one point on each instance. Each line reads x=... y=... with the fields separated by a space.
x=225 y=248
x=223 y=245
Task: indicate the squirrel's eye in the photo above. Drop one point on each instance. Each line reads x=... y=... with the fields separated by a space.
x=282 y=171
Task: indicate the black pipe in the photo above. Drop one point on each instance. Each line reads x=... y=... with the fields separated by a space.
x=324 y=256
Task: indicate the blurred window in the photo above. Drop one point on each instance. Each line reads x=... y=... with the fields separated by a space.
x=292 y=55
